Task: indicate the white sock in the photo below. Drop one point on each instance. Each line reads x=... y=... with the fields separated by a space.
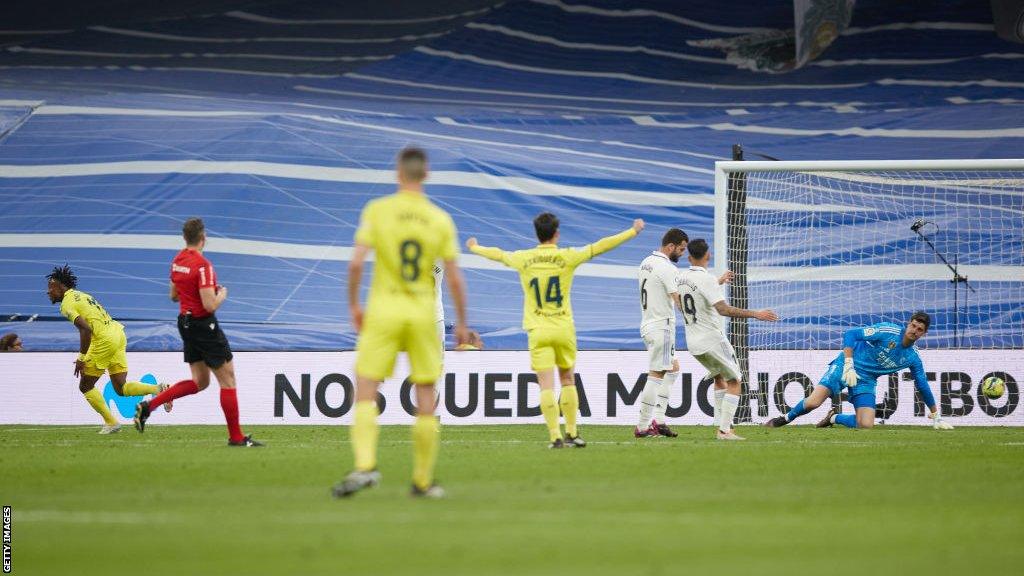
x=729 y=404
x=719 y=394
x=648 y=399
x=663 y=392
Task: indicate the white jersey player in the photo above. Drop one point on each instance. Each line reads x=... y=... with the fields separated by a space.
x=657 y=277
x=439 y=306
x=702 y=302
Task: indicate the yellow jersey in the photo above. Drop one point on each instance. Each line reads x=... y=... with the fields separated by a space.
x=546 y=274
x=409 y=234
x=79 y=304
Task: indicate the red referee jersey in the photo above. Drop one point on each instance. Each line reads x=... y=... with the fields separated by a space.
x=190 y=271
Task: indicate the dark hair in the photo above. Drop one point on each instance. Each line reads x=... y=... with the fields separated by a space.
x=193 y=230
x=412 y=162
x=63 y=275
x=921 y=317
x=697 y=248
x=674 y=236
x=545 y=225
x=7 y=342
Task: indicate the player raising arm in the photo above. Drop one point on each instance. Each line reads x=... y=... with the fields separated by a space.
x=870 y=352
x=546 y=274
x=703 y=304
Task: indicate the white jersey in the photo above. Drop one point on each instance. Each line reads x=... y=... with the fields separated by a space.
x=699 y=292
x=438 y=301
x=657 y=278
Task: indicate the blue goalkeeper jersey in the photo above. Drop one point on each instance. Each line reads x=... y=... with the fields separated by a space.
x=878 y=351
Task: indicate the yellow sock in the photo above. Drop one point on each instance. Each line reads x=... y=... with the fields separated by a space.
x=138 y=389
x=424 y=445
x=570 y=403
x=364 y=435
x=549 y=408
x=95 y=399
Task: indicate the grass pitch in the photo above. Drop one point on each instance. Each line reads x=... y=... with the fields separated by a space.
x=790 y=501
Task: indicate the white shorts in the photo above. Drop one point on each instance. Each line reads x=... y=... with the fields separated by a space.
x=661 y=346
x=721 y=361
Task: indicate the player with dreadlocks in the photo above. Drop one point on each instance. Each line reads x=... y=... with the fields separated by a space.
x=102 y=345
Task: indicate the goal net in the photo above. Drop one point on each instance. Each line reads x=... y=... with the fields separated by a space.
x=835 y=245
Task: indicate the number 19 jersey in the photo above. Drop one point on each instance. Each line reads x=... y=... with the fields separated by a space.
x=408 y=234
x=699 y=292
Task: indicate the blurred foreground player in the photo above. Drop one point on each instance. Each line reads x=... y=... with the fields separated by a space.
x=194 y=286
x=102 y=346
x=868 y=353
x=408 y=234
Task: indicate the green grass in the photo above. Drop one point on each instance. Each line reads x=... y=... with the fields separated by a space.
x=790 y=501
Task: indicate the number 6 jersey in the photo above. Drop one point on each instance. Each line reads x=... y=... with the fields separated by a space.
x=657 y=277
x=699 y=291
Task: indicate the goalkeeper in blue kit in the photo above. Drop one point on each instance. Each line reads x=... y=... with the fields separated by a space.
x=868 y=353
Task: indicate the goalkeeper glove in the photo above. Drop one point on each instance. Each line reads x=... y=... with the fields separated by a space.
x=849 y=374
x=938 y=423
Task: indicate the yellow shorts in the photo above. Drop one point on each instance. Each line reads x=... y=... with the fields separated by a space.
x=383 y=337
x=107 y=353
x=550 y=347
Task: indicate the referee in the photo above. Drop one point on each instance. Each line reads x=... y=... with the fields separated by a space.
x=194 y=286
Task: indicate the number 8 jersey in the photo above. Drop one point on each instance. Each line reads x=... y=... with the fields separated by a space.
x=408 y=234
x=699 y=291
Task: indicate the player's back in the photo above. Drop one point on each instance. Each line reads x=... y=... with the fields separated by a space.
x=77 y=304
x=699 y=291
x=657 y=279
x=408 y=234
x=546 y=274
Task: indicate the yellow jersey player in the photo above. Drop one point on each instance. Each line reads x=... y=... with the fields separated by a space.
x=102 y=345
x=546 y=274
x=409 y=234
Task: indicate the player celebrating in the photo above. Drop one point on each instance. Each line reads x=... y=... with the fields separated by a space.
x=194 y=286
x=868 y=353
x=702 y=303
x=102 y=345
x=546 y=274
x=658 y=291
x=409 y=234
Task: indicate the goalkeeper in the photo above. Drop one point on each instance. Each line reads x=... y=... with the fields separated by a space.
x=868 y=353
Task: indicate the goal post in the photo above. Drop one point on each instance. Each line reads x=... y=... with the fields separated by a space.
x=830 y=245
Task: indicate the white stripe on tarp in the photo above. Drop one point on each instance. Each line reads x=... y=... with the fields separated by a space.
x=137 y=68
x=285 y=39
x=167 y=55
x=986 y=133
x=956 y=26
x=538 y=95
x=911 y=61
x=21 y=102
x=644 y=13
x=623 y=75
x=219 y=245
x=250 y=17
x=984 y=82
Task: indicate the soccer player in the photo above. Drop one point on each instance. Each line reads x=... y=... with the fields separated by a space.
x=869 y=352
x=194 y=286
x=658 y=290
x=703 y=304
x=546 y=274
x=102 y=346
x=409 y=234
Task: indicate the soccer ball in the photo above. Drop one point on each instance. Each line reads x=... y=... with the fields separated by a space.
x=993 y=387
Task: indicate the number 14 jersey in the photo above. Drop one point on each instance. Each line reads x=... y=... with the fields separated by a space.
x=699 y=292
x=546 y=274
